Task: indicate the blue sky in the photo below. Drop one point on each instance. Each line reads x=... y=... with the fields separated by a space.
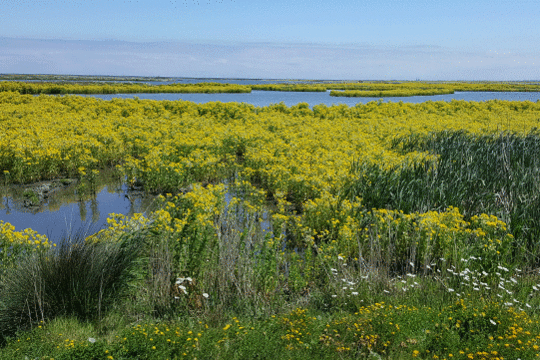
x=384 y=39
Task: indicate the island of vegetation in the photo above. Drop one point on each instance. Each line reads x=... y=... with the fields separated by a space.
x=344 y=89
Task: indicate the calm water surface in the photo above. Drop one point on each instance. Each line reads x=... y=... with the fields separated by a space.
x=265 y=98
x=72 y=216
x=92 y=214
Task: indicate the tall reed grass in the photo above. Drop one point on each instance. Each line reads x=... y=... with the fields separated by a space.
x=493 y=174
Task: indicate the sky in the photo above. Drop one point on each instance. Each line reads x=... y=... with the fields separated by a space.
x=276 y=39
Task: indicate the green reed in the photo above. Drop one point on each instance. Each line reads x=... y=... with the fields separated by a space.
x=493 y=174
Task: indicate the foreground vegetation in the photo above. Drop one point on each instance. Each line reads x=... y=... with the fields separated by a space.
x=386 y=231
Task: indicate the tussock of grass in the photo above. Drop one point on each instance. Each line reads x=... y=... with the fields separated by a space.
x=76 y=278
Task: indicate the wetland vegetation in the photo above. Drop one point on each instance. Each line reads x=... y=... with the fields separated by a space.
x=382 y=230
x=343 y=89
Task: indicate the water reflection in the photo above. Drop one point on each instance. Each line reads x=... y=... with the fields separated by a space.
x=82 y=211
x=90 y=214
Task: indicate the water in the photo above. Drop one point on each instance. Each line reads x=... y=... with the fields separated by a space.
x=265 y=98
x=71 y=215
x=92 y=214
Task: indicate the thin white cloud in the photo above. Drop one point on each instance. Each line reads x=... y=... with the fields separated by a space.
x=261 y=60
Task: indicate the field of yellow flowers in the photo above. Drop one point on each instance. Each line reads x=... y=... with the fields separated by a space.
x=388 y=230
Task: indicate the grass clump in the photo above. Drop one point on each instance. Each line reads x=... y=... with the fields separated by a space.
x=76 y=278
